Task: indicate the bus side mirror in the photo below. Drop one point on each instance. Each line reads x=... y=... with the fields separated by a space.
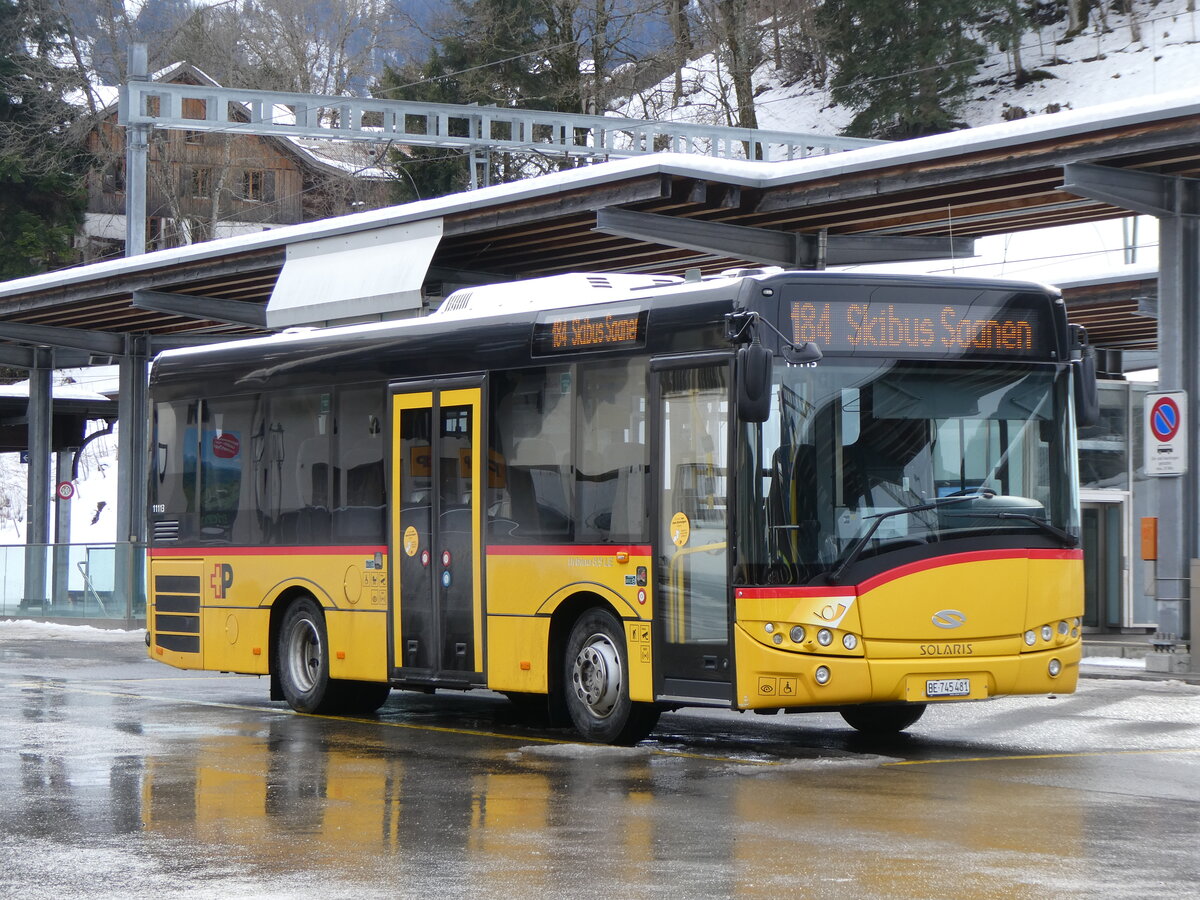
x=1083 y=377
x=754 y=382
x=1087 y=395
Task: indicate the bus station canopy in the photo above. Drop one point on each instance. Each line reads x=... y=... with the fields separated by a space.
x=663 y=213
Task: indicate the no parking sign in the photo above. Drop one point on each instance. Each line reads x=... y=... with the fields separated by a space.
x=1166 y=433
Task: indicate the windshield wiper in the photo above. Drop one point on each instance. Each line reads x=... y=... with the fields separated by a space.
x=1068 y=539
x=862 y=542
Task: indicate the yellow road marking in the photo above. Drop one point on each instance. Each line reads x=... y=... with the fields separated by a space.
x=1081 y=753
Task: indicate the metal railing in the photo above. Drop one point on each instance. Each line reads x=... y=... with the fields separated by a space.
x=491 y=128
x=70 y=582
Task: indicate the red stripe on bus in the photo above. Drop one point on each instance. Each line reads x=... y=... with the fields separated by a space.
x=265 y=551
x=568 y=549
x=801 y=592
x=959 y=559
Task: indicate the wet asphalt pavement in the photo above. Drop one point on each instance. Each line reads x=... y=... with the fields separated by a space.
x=120 y=777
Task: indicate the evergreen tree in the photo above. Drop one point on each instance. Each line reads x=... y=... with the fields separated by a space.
x=904 y=65
x=41 y=159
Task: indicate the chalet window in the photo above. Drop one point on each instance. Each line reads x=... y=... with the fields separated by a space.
x=193 y=137
x=252 y=184
x=113 y=179
x=201 y=182
x=258 y=185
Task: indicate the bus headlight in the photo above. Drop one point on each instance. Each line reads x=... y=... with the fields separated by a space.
x=1054 y=668
x=849 y=641
x=824 y=637
x=1030 y=638
x=821 y=675
x=1063 y=628
x=796 y=634
x=1047 y=632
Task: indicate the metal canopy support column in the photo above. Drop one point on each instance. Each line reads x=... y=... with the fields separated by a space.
x=777 y=248
x=1175 y=201
x=133 y=448
x=137 y=152
x=37 y=531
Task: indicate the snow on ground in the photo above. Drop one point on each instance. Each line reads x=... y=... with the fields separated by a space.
x=1112 y=662
x=17 y=629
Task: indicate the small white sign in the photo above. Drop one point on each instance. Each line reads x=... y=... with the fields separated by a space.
x=1166 y=433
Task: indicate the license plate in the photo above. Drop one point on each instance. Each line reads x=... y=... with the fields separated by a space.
x=948 y=687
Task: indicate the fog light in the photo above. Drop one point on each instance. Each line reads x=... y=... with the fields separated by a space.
x=777 y=638
x=849 y=641
x=1030 y=638
x=821 y=675
x=824 y=637
x=1047 y=632
x=1063 y=627
x=797 y=634
x=770 y=629
x=1054 y=668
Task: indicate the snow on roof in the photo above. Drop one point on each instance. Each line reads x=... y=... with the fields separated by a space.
x=743 y=173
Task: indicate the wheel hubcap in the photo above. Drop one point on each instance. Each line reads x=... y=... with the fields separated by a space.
x=304 y=656
x=596 y=675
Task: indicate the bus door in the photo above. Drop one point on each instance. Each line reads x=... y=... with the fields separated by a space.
x=692 y=616
x=436 y=597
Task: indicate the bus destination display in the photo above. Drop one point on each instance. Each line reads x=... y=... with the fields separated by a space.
x=617 y=328
x=924 y=329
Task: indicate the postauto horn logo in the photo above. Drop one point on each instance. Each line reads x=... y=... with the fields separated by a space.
x=948 y=618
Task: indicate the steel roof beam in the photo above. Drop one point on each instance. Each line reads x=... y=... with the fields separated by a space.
x=208 y=309
x=70 y=338
x=777 y=248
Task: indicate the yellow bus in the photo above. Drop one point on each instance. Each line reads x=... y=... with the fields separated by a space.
x=614 y=495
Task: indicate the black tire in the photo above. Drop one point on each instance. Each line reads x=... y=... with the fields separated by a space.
x=302 y=653
x=361 y=698
x=884 y=719
x=596 y=683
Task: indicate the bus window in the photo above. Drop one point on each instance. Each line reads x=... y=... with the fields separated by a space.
x=359 y=491
x=175 y=463
x=611 y=471
x=296 y=462
x=531 y=442
x=226 y=504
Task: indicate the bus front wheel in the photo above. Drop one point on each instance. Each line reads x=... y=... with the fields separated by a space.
x=882 y=720
x=596 y=680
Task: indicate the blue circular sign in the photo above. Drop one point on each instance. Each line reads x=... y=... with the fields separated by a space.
x=1165 y=419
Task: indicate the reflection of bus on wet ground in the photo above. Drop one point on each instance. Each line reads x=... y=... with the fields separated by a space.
x=611 y=495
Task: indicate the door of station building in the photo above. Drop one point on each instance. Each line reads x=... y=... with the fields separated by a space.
x=1103 y=569
x=692 y=619
x=435 y=507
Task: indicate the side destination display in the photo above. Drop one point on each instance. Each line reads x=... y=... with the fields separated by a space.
x=921 y=329
x=617 y=327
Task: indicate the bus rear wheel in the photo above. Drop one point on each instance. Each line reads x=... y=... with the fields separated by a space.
x=596 y=681
x=884 y=719
x=302 y=653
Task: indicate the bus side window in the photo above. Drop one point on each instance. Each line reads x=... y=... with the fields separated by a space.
x=611 y=472
x=226 y=481
x=358 y=481
x=298 y=469
x=175 y=462
x=530 y=439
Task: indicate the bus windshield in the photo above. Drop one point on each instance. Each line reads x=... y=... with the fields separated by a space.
x=907 y=453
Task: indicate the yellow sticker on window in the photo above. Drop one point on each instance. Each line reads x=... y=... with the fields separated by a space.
x=681 y=529
x=411 y=541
